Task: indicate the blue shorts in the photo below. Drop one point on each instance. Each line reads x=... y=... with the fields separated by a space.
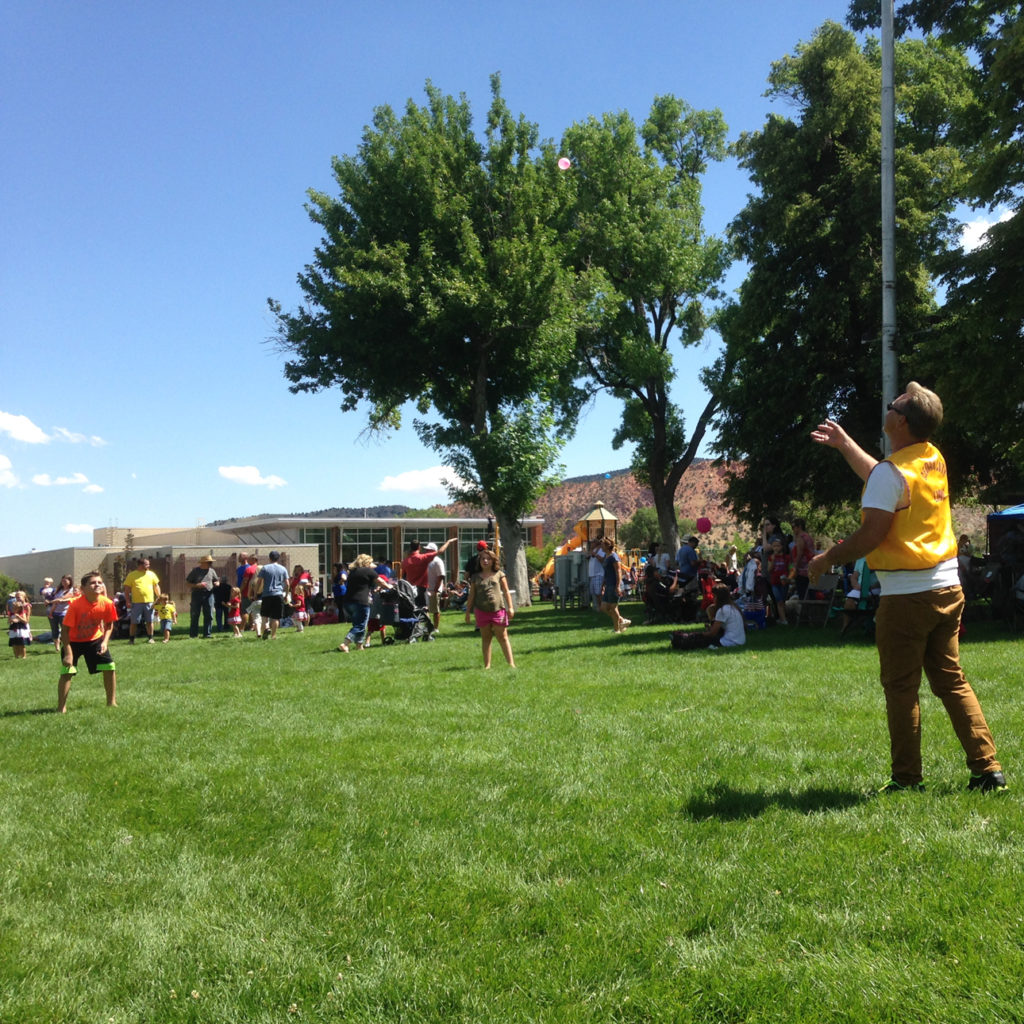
x=141 y=612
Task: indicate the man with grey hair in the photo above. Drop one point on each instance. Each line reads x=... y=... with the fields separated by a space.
x=906 y=533
x=201 y=580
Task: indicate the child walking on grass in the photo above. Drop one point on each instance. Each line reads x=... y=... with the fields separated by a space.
x=167 y=613
x=234 y=604
x=491 y=603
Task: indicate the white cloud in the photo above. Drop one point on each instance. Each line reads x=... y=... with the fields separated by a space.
x=972 y=234
x=21 y=428
x=8 y=477
x=61 y=434
x=77 y=528
x=44 y=480
x=92 y=489
x=423 y=482
x=250 y=476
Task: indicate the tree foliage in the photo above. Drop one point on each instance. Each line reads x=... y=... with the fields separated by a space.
x=640 y=529
x=638 y=231
x=442 y=279
x=805 y=332
x=974 y=351
x=8 y=585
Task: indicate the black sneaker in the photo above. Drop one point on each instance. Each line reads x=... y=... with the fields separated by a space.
x=892 y=786
x=988 y=782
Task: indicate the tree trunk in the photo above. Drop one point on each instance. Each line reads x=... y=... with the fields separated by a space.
x=664 y=505
x=513 y=552
x=664 y=490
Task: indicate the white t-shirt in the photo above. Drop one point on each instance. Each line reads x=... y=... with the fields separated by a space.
x=435 y=575
x=735 y=634
x=749 y=577
x=887 y=490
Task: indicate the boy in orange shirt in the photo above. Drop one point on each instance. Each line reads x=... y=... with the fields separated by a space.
x=86 y=631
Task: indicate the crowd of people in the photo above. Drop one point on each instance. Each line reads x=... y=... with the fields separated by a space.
x=259 y=598
x=903 y=563
x=680 y=588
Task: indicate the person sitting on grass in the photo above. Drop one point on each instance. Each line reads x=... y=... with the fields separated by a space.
x=86 y=631
x=726 y=630
x=861 y=596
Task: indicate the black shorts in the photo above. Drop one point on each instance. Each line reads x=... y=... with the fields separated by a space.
x=272 y=606
x=94 y=660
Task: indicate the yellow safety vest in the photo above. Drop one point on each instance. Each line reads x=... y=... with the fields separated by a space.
x=921 y=535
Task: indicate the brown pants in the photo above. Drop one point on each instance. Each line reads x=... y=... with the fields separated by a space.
x=921 y=631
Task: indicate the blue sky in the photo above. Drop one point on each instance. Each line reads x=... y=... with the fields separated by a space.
x=155 y=163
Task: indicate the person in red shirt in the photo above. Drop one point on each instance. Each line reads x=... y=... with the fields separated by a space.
x=85 y=632
x=414 y=566
x=248 y=589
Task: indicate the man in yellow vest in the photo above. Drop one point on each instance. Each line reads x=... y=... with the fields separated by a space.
x=907 y=536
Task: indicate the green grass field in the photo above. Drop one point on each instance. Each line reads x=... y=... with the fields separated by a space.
x=611 y=832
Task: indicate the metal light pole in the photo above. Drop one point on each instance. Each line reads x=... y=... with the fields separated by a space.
x=890 y=386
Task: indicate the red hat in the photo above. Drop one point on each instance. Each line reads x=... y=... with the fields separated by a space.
x=481 y=545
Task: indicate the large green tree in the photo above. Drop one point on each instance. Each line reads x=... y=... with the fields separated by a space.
x=638 y=226
x=974 y=351
x=441 y=279
x=805 y=332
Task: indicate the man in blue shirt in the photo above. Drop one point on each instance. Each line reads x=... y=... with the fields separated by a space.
x=273 y=583
x=687 y=560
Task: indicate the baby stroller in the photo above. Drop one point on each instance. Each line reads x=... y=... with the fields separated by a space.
x=122 y=627
x=665 y=606
x=397 y=607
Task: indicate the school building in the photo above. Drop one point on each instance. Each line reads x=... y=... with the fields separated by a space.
x=315 y=542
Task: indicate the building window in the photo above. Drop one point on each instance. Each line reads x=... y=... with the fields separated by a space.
x=375 y=542
x=438 y=535
x=317 y=536
x=469 y=537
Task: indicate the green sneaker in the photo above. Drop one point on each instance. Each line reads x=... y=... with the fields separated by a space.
x=892 y=786
x=987 y=782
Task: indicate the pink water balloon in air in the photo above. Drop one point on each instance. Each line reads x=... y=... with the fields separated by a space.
x=564 y=163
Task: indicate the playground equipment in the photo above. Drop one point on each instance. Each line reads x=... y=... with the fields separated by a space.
x=568 y=565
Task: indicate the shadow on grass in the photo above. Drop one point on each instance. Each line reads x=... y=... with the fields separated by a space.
x=28 y=711
x=547 y=618
x=728 y=804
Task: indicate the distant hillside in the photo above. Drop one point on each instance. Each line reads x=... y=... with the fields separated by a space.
x=699 y=494
x=363 y=512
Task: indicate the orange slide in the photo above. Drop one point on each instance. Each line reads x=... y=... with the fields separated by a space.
x=575 y=541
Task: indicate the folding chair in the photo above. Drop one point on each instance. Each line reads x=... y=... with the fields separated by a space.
x=812 y=604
